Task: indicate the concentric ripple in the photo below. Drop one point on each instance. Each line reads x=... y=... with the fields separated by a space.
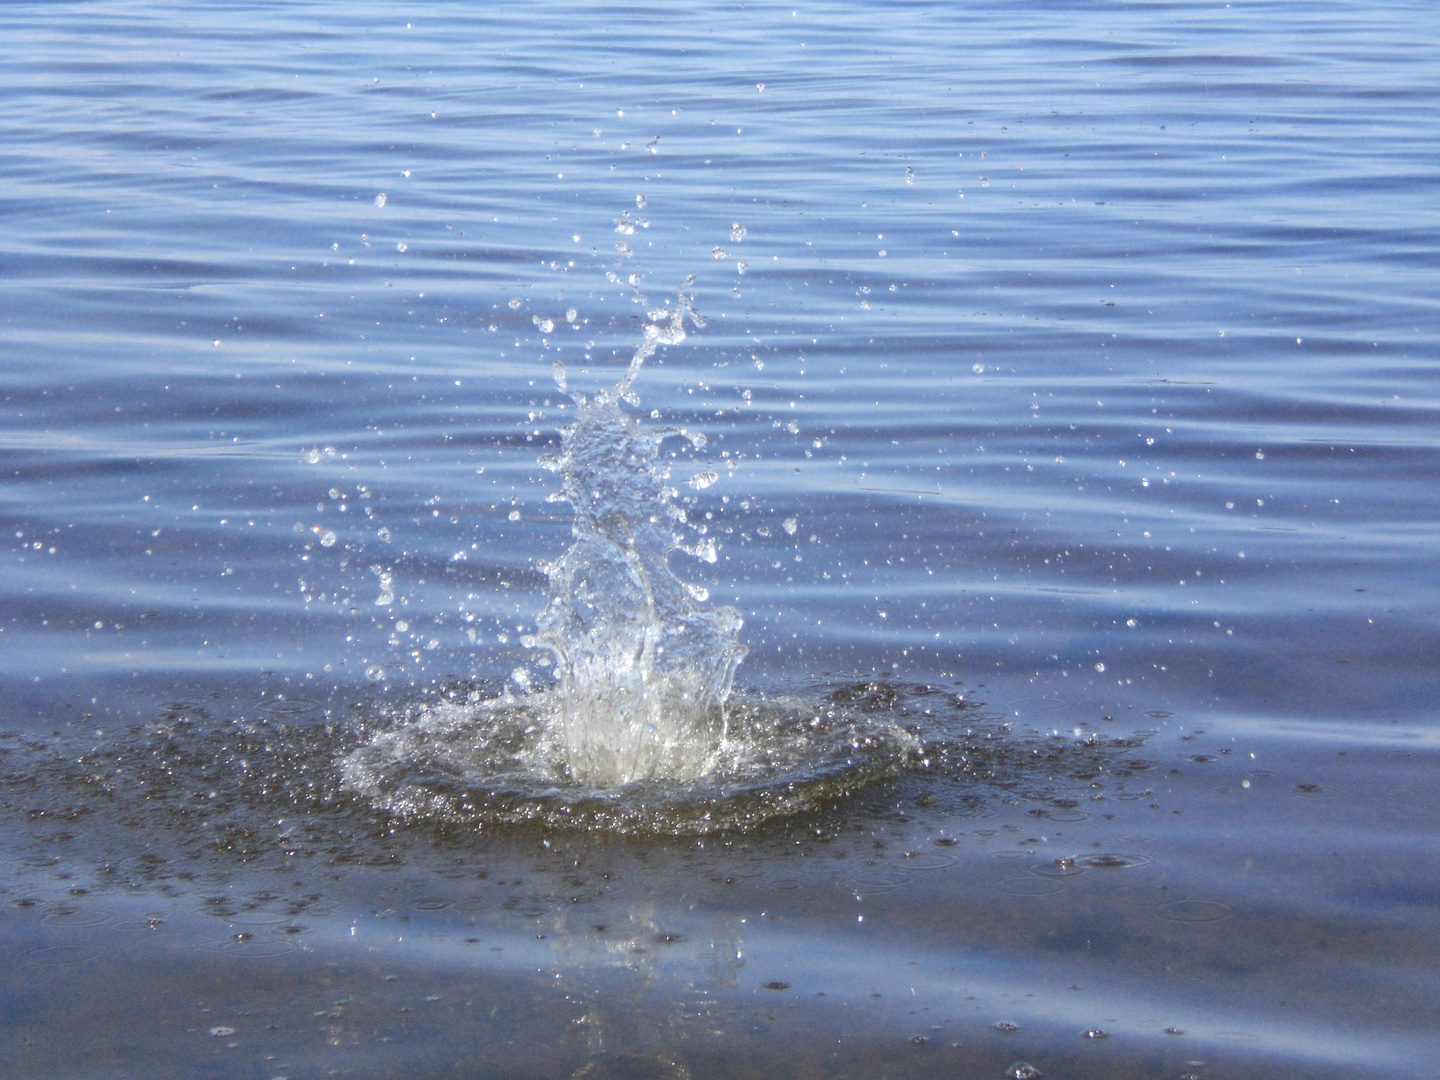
x=501 y=762
x=378 y=784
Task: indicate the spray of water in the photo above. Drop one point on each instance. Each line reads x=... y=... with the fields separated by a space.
x=644 y=665
x=641 y=734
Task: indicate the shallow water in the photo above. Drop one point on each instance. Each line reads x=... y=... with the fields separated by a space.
x=1073 y=425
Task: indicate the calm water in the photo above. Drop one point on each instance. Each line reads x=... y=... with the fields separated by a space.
x=1070 y=389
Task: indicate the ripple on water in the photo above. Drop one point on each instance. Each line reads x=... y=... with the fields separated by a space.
x=245 y=946
x=1029 y=886
x=493 y=763
x=1058 y=868
x=255 y=918
x=1112 y=861
x=916 y=860
x=1193 y=911
x=65 y=918
x=875 y=881
x=364 y=789
x=1031 y=703
x=61 y=955
x=476 y=905
x=149 y=922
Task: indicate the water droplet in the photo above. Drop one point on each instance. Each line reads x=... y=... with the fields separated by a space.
x=327 y=538
x=1006 y=1026
x=640 y=202
x=737 y=233
x=387 y=588
x=222 y=1032
x=717 y=252
x=790 y=525
x=401 y=246
x=383 y=533
x=380 y=199
x=1058 y=868
x=1023 y=1070
x=1096 y=1033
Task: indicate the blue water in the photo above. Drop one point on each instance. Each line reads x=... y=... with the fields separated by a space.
x=1082 y=366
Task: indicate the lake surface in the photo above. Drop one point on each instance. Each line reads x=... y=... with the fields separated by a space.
x=1069 y=389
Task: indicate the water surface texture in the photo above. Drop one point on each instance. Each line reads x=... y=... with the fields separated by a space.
x=1059 y=448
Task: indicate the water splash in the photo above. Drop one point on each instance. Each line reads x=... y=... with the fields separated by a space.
x=641 y=734
x=289 y=781
x=644 y=666
x=493 y=763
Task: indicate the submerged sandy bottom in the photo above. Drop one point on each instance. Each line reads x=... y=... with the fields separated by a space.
x=1157 y=898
